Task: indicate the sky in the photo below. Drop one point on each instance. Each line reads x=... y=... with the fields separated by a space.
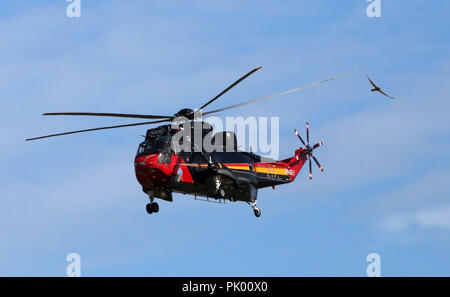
x=385 y=188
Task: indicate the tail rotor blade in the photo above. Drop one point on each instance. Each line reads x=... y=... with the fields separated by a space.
x=310 y=168
x=299 y=137
x=319 y=144
x=308 y=151
x=318 y=164
x=307 y=132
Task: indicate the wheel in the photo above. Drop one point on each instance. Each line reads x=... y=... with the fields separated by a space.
x=257 y=212
x=221 y=193
x=155 y=207
x=149 y=208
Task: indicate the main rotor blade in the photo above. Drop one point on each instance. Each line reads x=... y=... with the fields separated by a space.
x=230 y=87
x=281 y=93
x=95 y=129
x=103 y=114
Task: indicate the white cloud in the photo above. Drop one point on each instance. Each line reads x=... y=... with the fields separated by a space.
x=434 y=218
x=427 y=218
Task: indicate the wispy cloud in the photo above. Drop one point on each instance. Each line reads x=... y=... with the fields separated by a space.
x=427 y=218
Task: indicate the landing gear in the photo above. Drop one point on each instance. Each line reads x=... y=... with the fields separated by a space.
x=149 y=209
x=152 y=207
x=221 y=193
x=256 y=210
x=155 y=207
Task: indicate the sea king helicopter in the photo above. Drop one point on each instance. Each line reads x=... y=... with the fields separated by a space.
x=165 y=163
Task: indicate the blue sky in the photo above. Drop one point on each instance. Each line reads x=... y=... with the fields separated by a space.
x=387 y=165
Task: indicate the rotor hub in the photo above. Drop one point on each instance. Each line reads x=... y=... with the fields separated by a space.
x=185 y=112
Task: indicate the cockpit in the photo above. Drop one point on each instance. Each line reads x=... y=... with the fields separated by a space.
x=164 y=142
x=155 y=145
x=160 y=145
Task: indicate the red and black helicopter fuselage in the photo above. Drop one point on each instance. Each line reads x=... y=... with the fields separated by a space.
x=224 y=173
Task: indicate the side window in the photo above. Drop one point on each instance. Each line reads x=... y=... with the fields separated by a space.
x=141 y=148
x=165 y=149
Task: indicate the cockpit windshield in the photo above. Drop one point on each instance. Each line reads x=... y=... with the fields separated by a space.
x=156 y=145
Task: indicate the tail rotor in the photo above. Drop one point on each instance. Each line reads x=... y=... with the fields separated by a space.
x=309 y=150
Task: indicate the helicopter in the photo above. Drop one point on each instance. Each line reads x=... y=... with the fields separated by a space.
x=166 y=164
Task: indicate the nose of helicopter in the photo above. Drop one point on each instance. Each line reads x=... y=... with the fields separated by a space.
x=150 y=172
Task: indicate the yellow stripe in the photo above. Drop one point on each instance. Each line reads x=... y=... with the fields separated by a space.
x=278 y=171
x=270 y=170
x=239 y=167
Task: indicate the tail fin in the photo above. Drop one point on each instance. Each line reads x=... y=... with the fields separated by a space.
x=295 y=163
